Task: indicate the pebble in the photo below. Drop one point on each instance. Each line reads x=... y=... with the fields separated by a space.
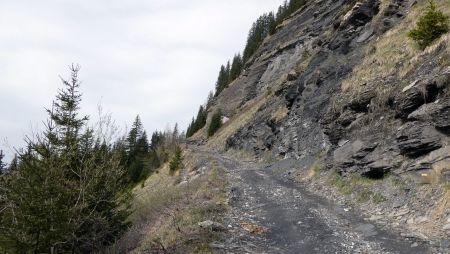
x=446 y=227
x=422 y=219
x=410 y=221
x=376 y=217
x=401 y=212
x=397 y=204
x=414 y=245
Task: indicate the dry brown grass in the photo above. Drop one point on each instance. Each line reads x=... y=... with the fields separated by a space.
x=166 y=213
x=253 y=228
x=393 y=53
x=241 y=154
x=437 y=218
x=280 y=113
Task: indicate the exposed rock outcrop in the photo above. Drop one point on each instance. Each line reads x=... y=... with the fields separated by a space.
x=414 y=96
x=375 y=126
x=415 y=139
x=437 y=113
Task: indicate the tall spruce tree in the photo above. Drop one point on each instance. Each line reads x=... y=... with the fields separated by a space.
x=215 y=124
x=236 y=67
x=137 y=152
x=134 y=135
x=190 y=129
x=63 y=195
x=227 y=74
x=222 y=80
x=209 y=100
x=176 y=132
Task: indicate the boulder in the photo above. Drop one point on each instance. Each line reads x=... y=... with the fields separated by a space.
x=365 y=35
x=351 y=154
x=415 y=139
x=413 y=96
x=292 y=76
x=347 y=117
x=211 y=225
x=378 y=162
x=435 y=158
x=361 y=102
x=361 y=13
x=437 y=113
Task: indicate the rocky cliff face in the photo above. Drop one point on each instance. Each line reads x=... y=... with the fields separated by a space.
x=341 y=83
x=342 y=77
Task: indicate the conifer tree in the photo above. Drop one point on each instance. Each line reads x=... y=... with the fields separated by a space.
x=227 y=74
x=271 y=23
x=222 y=80
x=260 y=29
x=266 y=24
x=177 y=160
x=176 y=132
x=215 y=124
x=236 y=67
x=14 y=163
x=201 y=119
x=138 y=167
x=190 y=129
x=133 y=136
x=157 y=139
x=63 y=195
x=209 y=100
x=197 y=123
x=430 y=26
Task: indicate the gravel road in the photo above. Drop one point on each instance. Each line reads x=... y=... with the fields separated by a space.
x=271 y=214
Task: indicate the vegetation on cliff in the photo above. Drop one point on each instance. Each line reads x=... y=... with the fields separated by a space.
x=264 y=26
x=430 y=26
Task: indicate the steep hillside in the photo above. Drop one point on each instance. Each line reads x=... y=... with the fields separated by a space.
x=342 y=89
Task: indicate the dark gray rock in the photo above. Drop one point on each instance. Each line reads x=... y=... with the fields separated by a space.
x=360 y=103
x=415 y=139
x=361 y=13
x=292 y=76
x=350 y=154
x=437 y=113
x=346 y=118
x=438 y=156
x=366 y=35
x=414 y=96
x=380 y=162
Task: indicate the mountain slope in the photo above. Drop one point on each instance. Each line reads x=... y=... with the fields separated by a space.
x=339 y=86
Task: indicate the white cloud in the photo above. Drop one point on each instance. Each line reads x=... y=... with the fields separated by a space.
x=155 y=58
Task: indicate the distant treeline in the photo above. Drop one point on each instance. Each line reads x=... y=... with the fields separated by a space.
x=140 y=157
x=264 y=26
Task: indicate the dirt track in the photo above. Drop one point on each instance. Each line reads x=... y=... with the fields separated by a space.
x=271 y=214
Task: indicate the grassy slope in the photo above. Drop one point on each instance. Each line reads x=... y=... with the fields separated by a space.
x=167 y=213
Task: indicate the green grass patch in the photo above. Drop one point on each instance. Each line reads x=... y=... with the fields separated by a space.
x=355 y=184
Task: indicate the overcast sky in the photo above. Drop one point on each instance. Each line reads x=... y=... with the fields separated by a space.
x=155 y=58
